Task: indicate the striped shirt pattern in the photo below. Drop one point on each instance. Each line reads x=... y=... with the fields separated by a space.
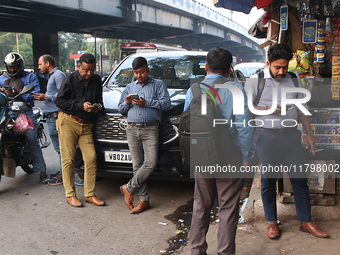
x=156 y=97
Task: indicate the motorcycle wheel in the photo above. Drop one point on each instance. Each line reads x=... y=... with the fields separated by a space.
x=42 y=138
x=28 y=168
x=79 y=163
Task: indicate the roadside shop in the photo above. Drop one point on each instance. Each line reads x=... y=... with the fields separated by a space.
x=311 y=28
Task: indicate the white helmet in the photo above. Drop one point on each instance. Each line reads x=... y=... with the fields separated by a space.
x=14 y=59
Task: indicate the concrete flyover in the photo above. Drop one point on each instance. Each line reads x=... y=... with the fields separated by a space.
x=183 y=22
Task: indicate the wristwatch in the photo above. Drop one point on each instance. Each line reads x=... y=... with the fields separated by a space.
x=308 y=133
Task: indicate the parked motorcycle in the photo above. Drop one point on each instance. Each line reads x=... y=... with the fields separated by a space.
x=13 y=148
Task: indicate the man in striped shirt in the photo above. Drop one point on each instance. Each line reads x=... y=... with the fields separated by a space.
x=143 y=102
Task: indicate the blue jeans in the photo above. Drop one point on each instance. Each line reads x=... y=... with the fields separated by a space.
x=33 y=143
x=143 y=146
x=277 y=149
x=54 y=136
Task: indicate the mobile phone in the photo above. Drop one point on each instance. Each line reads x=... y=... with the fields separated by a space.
x=8 y=87
x=135 y=97
x=31 y=93
x=97 y=105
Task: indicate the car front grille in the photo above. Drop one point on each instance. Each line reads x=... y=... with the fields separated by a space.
x=107 y=128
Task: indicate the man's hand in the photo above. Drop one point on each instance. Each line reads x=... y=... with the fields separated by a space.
x=140 y=102
x=96 y=108
x=9 y=93
x=277 y=110
x=88 y=107
x=309 y=139
x=128 y=99
x=40 y=96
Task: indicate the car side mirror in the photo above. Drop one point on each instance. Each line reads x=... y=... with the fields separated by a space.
x=240 y=77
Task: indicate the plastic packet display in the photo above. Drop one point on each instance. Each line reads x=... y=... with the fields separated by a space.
x=336 y=60
x=335 y=70
x=292 y=64
x=335 y=79
x=308 y=81
x=319 y=57
x=304 y=59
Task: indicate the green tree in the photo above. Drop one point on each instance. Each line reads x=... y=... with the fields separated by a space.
x=8 y=43
x=70 y=43
x=113 y=49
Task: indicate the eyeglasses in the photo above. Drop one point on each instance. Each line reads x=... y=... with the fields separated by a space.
x=88 y=70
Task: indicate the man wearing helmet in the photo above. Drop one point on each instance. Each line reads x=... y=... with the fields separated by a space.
x=11 y=83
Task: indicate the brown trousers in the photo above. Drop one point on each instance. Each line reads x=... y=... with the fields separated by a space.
x=228 y=191
x=72 y=133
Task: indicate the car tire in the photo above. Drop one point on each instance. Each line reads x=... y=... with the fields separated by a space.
x=79 y=163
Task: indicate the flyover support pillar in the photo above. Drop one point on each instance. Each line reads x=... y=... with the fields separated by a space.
x=45 y=43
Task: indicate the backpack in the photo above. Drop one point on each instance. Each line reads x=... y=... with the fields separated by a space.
x=201 y=143
x=261 y=83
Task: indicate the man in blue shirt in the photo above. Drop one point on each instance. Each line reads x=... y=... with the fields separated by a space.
x=17 y=78
x=143 y=102
x=228 y=190
x=46 y=64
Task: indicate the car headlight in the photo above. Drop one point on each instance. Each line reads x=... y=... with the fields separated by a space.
x=175 y=120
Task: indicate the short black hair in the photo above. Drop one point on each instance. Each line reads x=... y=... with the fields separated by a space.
x=87 y=58
x=219 y=58
x=139 y=62
x=279 y=51
x=48 y=58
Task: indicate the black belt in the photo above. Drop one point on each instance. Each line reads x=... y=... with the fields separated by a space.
x=148 y=124
x=279 y=131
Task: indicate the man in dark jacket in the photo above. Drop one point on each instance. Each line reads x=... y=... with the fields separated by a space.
x=80 y=99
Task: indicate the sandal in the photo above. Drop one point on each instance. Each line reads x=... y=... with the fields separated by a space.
x=58 y=180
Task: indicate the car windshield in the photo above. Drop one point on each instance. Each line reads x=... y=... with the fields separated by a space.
x=247 y=71
x=176 y=72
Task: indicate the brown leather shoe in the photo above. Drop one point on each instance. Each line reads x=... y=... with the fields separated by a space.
x=140 y=206
x=273 y=231
x=94 y=200
x=73 y=201
x=312 y=228
x=128 y=196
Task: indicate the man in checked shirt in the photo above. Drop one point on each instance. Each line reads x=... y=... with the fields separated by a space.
x=143 y=102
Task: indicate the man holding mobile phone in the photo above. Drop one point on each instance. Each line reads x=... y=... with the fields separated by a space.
x=47 y=66
x=79 y=100
x=143 y=102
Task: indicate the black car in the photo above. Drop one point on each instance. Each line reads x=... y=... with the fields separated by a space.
x=178 y=70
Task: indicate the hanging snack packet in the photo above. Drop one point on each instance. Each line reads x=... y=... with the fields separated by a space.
x=304 y=59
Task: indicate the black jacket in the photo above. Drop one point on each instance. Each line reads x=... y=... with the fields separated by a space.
x=74 y=92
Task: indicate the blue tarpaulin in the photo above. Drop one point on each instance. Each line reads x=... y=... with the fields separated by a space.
x=238 y=5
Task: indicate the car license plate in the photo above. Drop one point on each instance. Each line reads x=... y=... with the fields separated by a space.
x=118 y=156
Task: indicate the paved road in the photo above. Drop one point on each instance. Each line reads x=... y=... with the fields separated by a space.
x=35 y=218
